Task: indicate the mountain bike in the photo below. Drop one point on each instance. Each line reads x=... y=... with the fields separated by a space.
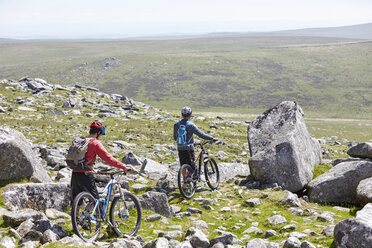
x=87 y=213
x=186 y=181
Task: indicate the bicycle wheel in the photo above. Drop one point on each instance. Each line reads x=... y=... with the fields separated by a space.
x=125 y=215
x=84 y=221
x=212 y=175
x=185 y=183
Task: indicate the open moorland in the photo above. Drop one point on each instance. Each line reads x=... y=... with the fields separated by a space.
x=329 y=77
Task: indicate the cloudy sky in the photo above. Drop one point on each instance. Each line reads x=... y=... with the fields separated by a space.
x=128 y=18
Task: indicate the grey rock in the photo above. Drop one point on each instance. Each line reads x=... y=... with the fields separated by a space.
x=362 y=150
x=260 y=243
x=254 y=230
x=270 y=233
x=32 y=235
x=292 y=242
x=171 y=235
x=137 y=187
x=201 y=224
x=328 y=230
x=2 y=110
x=364 y=191
x=25 y=227
x=184 y=244
x=291 y=199
x=287 y=228
x=153 y=217
x=276 y=220
x=17 y=160
x=155 y=170
x=355 y=232
x=218 y=245
x=194 y=210
x=38 y=196
x=281 y=148
x=8 y=242
x=17 y=217
x=158 y=243
x=55 y=112
x=298 y=235
x=339 y=184
x=157 y=202
x=131 y=158
x=175 y=209
x=253 y=202
x=307 y=244
x=226 y=239
x=229 y=171
x=50 y=236
x=197 y=238
x=326 y=216
x=341 y=160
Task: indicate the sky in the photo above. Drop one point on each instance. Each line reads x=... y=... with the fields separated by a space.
x=131 y=18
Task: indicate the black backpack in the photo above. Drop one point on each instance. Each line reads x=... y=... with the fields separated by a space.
x=75 y=158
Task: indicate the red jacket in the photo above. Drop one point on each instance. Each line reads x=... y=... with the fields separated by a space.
x=96 y=148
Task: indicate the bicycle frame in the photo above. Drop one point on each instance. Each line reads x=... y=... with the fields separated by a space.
x=111 y=186
x=200 y=156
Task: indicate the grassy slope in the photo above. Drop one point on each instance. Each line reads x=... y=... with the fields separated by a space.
x=146 y=134
x=245 y=74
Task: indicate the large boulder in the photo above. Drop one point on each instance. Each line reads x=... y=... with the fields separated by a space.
x=38 y=196
x=355 y=232
x=17 y=160
x=362 y=150
x=281 y=148
x=339 y=184
x=364 y=191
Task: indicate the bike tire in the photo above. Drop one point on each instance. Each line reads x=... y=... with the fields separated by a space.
x=82 y=224
x=125 y=224
x=212 y=174
x=187 y=189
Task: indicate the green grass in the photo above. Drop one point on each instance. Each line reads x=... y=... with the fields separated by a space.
x=247 y=73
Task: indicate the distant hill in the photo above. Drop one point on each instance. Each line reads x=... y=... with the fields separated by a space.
x=361 y=31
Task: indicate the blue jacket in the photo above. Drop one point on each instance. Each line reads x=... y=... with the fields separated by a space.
x=191 y=129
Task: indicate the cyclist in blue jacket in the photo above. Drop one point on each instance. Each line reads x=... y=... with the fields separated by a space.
x=183 y=134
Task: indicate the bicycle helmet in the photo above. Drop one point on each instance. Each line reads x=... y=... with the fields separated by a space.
x=99 y=126
x=186 y=111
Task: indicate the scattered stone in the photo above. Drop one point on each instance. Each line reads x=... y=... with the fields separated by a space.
x=17 y=217
x=277 y=220
x=253 y=202
x=362 y=150
x=225 y=209
x=157 y=202
x=292 y=242
x=291 y=199
x=307 y=244
x=339 y=184
x=197 y=238
x=364 y=191
x=153 y=218
x=355 y=232
x=194 y=211
x=224 y=239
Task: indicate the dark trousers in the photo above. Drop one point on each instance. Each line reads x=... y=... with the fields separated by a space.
x=81 y=182
x=187 y=157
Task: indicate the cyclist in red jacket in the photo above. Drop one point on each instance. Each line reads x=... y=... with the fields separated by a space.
x=82 y=181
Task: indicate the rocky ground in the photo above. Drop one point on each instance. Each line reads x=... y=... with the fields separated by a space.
x=40 y=120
